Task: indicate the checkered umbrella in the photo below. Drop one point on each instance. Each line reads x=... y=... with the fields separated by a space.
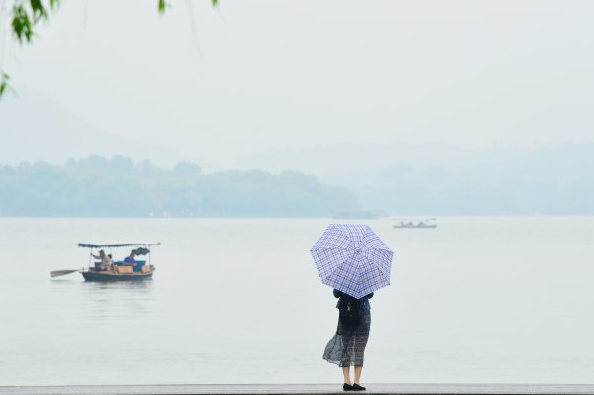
x=352 y=259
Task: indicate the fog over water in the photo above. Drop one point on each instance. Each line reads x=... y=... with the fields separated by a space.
x=216 y=85
x=418 y=108
x=458 y=109
x=239 y=301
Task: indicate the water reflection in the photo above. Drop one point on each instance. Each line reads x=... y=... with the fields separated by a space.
x=61 y=280
x=228 y=304
x=122 y=299
x=118 y=286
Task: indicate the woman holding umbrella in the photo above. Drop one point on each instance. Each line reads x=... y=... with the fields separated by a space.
x=355 y=262
x=347 y=346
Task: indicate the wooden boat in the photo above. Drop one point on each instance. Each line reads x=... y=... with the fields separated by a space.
x=106 y=276
x=127 y=270
x=416 y=224
x=119 y=270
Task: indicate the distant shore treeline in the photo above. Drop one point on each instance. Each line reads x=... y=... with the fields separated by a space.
x=438 y=179
x=101 y=187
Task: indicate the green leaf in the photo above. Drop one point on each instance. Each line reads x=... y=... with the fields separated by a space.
x=21 y=24
x=215 y=3
x=162 y=6
x=4 y=83
x=38 y=10
x=54 y=4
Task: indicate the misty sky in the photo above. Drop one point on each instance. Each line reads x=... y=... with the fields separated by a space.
x=217 y=85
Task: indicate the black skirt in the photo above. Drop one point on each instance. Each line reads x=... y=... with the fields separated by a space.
x=347 y=346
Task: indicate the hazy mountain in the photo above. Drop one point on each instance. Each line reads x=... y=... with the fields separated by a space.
x=34 y=128
x=439 y=179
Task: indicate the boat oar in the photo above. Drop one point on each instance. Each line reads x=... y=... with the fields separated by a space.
x=57 y=273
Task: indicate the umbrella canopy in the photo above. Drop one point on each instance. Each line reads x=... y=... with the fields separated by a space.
x=352 y=259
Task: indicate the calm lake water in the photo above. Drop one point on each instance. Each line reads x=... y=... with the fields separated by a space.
x=239 y=301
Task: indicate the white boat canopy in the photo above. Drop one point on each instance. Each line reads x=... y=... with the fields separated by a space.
x=99 y=245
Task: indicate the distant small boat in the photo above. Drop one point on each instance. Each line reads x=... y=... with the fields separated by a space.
x=416 y=224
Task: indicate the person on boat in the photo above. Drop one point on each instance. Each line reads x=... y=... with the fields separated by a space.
x=106 y=261
x=129 y=260
x=111 y=267
x=347 y=347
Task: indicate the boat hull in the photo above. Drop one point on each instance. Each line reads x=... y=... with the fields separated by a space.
x=415 y=227
x=108 y=277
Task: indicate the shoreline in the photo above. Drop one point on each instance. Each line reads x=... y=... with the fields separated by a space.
x=274 y=389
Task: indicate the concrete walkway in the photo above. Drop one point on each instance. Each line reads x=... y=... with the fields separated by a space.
x=271 y=389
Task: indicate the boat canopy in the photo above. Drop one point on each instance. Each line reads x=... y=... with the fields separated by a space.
x=98 y=245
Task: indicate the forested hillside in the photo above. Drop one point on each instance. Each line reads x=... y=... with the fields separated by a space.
x=101 y=187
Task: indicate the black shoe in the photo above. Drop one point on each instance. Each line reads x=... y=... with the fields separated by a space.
x=357 y=387
x=347 y=387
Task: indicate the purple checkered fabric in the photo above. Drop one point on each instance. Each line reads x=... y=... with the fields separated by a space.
x=352 y=259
